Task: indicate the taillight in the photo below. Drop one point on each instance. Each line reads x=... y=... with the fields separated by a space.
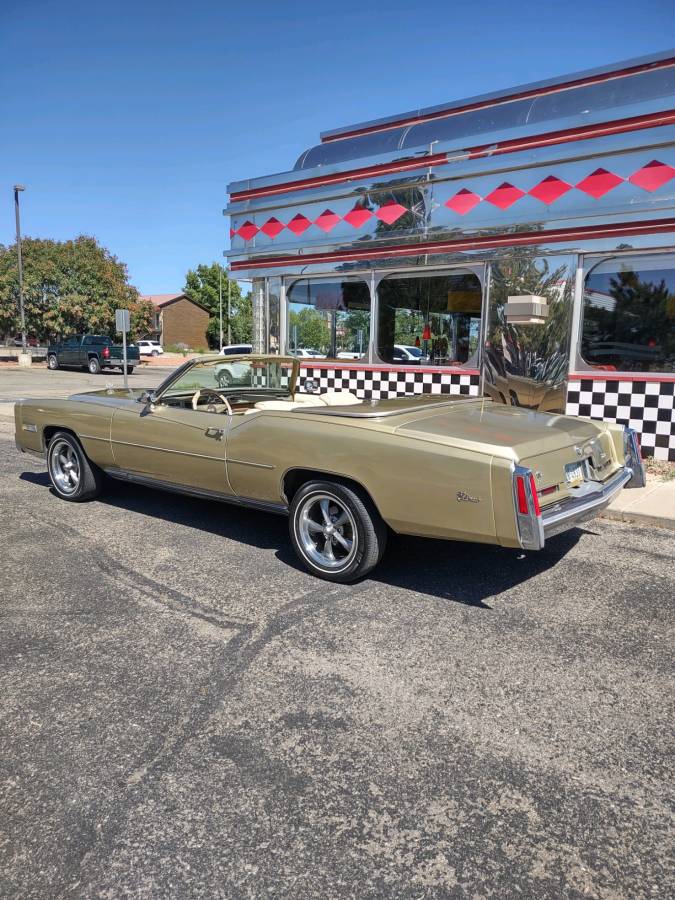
x=527 y=509
x=523 y=508
x=106 y=352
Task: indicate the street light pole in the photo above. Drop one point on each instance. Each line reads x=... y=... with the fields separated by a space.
x=22 y=314
x=229 y=313
x=220 y=296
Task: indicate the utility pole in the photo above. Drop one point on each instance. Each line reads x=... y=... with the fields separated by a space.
x=220 y=296
x=229 y=313
x=22 y=314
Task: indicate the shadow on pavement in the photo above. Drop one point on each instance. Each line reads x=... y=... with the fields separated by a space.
x=449 y=570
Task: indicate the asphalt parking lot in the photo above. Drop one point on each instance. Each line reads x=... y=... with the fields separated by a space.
x=185 y=712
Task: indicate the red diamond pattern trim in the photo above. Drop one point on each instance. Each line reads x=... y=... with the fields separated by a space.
x=652 y=176
x=505 y=195
x=248 y=230
x=463 y=202
x=327 y=220
x=550 y=189
x=599 y=183
x=272 y=227
x=390 y=212
x=299 y=224
x=358 y=216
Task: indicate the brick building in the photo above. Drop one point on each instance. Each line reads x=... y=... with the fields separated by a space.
x=179 y=320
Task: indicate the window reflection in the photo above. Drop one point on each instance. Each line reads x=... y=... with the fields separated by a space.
x=527 y=364
x=328 y=318
x=629 y=315
x=430 y=319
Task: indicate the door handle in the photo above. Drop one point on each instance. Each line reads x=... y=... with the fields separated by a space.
x=217 y=433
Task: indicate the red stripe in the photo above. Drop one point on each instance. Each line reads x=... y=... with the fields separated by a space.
x=367 y=367
x=484 y=104
x=618 y=376
x=566 y=135
x=556 y=235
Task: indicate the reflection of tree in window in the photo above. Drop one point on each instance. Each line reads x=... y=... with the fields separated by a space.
x=438 y=313
x=629 y=315
x=330 y=317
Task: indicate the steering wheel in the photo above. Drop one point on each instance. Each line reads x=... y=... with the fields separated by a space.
x=222 y=399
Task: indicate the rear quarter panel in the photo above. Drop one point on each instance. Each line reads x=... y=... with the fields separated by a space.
x=414 y=483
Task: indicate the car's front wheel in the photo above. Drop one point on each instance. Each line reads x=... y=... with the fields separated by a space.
x=72 y=475
x=337 y=532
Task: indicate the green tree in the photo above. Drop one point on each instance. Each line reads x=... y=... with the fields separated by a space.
x=202 y=285
x=68 y=286
x=313 y=331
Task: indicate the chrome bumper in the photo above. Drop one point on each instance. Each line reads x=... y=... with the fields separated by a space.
x=585 y=503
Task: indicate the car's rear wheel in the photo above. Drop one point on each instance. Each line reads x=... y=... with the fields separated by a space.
x=130 y=369
x=336 y=532
x=72 y=475
x=52 y=362
x=155 y=353
x=94 y=365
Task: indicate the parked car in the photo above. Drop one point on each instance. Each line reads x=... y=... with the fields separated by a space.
x=90 y=351
x=307 y=353
x=31 y=341
x=406 y=353
x=343 y=470
x=236 y=349
x=149 y=348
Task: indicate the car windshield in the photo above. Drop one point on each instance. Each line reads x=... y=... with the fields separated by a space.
x=241 y=373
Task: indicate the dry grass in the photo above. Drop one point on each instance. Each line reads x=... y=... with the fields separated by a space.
x=659 y=468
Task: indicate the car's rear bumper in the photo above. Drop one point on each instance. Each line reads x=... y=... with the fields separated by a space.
x=590 y=498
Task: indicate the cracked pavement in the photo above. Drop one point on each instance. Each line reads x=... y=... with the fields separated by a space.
x=185 y=712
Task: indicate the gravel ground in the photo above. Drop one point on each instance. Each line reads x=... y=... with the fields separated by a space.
x=184 y=712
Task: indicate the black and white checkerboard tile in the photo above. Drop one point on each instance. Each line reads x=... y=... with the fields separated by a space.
x=646 y=406
x=375 y=384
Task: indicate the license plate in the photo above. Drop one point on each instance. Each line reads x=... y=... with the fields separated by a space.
x=574 y=472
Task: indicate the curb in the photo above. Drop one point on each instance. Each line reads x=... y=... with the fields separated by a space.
x=638 y=518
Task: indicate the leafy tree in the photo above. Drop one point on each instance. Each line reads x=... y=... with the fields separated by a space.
x=313 y=330
x=68 y=286
x=202 y=285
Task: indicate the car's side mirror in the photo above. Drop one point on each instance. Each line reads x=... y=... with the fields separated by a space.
x=148 y=398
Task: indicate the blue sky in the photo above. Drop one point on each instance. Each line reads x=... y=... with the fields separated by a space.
x=127 y=120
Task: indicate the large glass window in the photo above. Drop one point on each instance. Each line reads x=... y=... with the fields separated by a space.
x=629 y=314
x=328 y=318
x=429 y=319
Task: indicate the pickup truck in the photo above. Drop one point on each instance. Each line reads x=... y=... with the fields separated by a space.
x=90 y=351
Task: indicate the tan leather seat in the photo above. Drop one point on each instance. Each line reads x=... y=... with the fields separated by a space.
x=309 y=399
x=339 y=398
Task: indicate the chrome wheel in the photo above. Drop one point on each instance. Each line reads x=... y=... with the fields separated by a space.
x=326 y=531
x=52 y=362
x=64 y=467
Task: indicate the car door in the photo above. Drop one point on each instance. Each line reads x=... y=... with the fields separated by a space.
x=181 y=447
x=69 y=351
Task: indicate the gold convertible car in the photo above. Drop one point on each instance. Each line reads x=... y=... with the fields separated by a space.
x=344 y=470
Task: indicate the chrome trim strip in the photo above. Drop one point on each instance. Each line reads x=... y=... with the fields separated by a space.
x=264 y=505
x=243 y=462
x=569 y=513
x=166 y=450
x=92 y=437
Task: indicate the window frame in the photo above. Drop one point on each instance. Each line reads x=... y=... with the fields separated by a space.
x=287 y=285
x=478 y=270
x=586 y=264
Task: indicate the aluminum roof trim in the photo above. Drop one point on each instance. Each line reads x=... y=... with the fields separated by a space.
x=391 y=120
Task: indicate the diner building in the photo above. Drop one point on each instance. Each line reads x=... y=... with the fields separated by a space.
x=519 y=244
